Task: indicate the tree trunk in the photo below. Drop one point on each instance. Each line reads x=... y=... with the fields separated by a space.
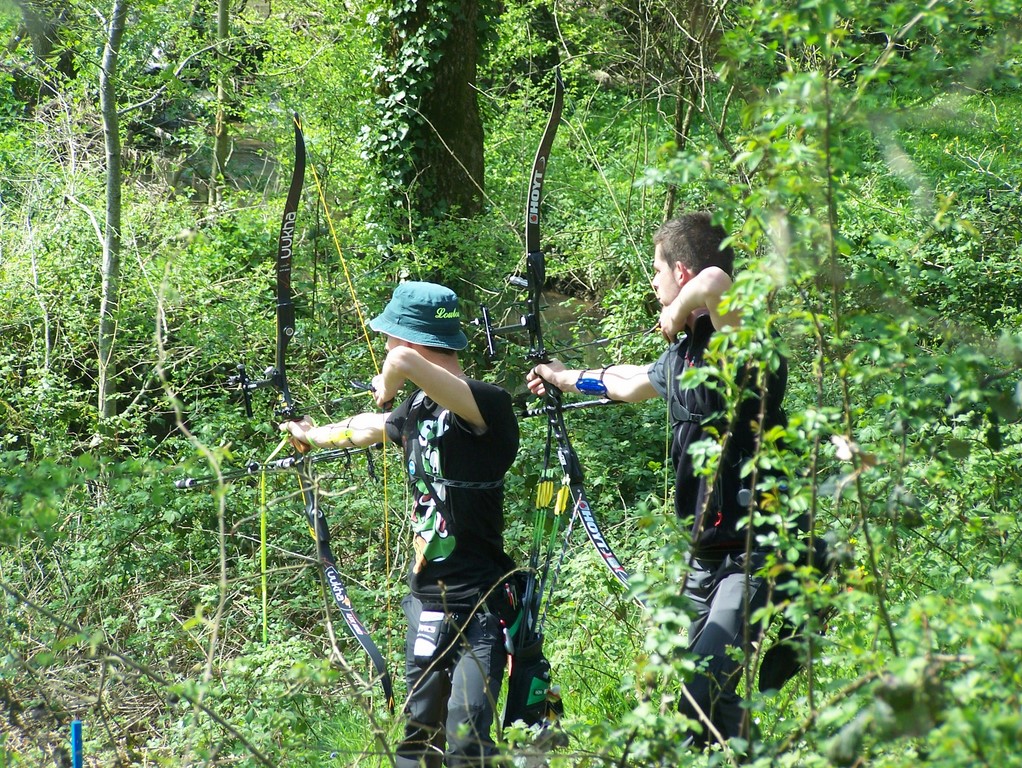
x=111 y=268
x=445 y=140
x=220 y=143
x=45 y=20
x=452 y=163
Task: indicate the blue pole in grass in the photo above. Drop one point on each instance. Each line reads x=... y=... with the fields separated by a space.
x=76 y=744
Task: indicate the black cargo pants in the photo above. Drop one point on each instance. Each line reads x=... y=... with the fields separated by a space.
x=449 y=711
x=724 y=593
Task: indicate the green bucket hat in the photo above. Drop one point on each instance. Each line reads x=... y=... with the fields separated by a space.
x=422 y=313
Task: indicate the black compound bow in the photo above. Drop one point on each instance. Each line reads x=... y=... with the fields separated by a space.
x=276 y=378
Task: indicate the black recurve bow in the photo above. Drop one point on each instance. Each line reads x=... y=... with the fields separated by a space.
x=276 y=378
x=572 y=478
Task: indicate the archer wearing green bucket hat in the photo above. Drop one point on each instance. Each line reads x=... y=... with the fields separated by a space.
x=423 y=313
x=459 y=437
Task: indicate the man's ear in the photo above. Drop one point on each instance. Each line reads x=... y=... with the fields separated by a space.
x=681 y=273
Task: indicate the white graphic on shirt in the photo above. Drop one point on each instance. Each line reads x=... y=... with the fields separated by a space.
x=433 y=540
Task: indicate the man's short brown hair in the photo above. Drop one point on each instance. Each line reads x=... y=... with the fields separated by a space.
x=694 y=241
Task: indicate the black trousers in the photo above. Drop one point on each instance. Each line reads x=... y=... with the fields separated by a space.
x=450 y=708
x=723 y=598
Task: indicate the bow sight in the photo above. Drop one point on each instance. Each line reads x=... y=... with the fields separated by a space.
x=529 y=322
x=240 y=380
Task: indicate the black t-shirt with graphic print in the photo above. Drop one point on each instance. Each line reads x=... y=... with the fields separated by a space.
x=458 y=542
x=692 y=410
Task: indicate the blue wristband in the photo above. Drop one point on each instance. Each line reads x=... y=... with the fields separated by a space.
x=589 y=386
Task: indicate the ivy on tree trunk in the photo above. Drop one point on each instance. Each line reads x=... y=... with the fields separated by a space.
x=434 y=152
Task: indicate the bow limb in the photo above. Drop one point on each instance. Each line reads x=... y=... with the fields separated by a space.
x=285 y=293
x=276 y=376
x=320 y=531
x=535 y=261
